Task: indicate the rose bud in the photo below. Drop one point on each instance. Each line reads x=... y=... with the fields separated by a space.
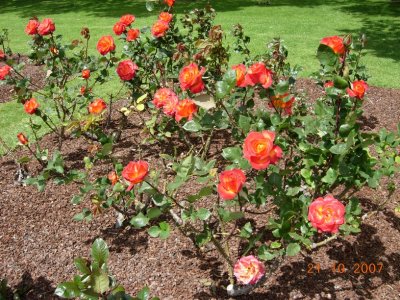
x=22 y=138
x=127 y=19
x=119 y=28
x=190 y=78
x=113 y=177
x=31 y=106
x=166 y=99
x=169 y=2
x=85 y=32
x=358 y=89
x=335 y=43
x=165 y=16
x=46 y=27
x=97 y=106
x=86 y=74
x=159 y=28
x=248 y=270
x=230 y=183
x=186 y=108
x=126 y=70
x=132 y=35
x=259 y=149
x=31 y=27
x=54 y=50
x=135 y=172
x=240 y=75
x=105 y=44
x=4 y=72
x=258 y=73
x=326 y=214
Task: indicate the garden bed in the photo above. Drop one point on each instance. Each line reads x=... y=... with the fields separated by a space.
x=39 y=239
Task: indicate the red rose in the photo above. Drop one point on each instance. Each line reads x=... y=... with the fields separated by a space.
x=277 y=101
x=335 y=43
x=132 y=35
x=240 y=75
x=46 y=27
x=190 y=78
x=258 y=73
x=113 y=177
x=358 y=89
x=86 y=74
x=328 y=84
x=31 y=106
x=97 y=106
x=135 y=172
x=22 y=138
x=185 y=109
x=169 y=2
x=127 y=19
x=126 y=69
x=2 y=55
x=4 y=71
x=159 y=28
x=326 y=214
x=249 y=270
x=105 y=44
x=230 y=183
x=166 y=17
x=166 y=99
x=119 y=28
x=31 y=27
x=259 y=149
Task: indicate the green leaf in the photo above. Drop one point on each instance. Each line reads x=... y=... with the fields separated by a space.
x=293 y=249
x=82 y=265
x=100 y=252
x=282 y=87
x=106 y=149
x=330 y=176
x=192 y=126
x=244 y=123
x=222 y=89
x=205 y=191
x=203 y=214
x=67 y=290
x=264 y=254
x=276 y=245
x=246 y=230
x=149 y=5
x=340 y=82
x=230 y=79
x=101 y=283
x=154 y=231
x=338 y=149
x=327 y=56
x=118 y=187
x=140 y=220
x=144 y=294
x=153 y=213
x=165 y=230
x=233 y=154
x=228 y=216
x=205 y=101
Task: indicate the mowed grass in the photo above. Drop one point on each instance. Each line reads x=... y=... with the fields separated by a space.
x=301 y=24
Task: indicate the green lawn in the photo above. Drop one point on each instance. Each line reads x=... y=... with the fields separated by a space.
x=301 y=24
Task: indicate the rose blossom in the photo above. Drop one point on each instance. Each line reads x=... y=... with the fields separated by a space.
x=326 y=214
x=105 y=44
x=169 y=2
x=159 y=28
x=230 y=183
x=113 y=177
x=46 y=27
x=240 y=75
x=32 y=26
x=97 y=106
x=259 y=149
x=258 y=73
x=335 y=43
x=185 y=109
x=127 y=19
x=22 y=138
x=126 y=70
x=166 y=99
x=358 y=89
x=119 y=28
x=132 y=34
x=135 y=172
x=248 y=270
x=85 y=74
x=31 y=106
x=4 y=71
x=165 y=16
x=190 y=78
x=277 y=101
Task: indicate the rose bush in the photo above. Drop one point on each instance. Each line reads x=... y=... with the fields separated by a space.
x=279 y=150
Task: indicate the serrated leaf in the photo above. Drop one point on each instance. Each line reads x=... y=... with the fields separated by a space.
x=153 y=213
x=101 y=283
x=338 y=149
x=82 y=265
x=192 y=126
x=139 y=221
x=67 y=290
x=293 y=249
x=330 y=176
x=205 y=101
x=203 y=214
x=154 y=231
x=100 y=252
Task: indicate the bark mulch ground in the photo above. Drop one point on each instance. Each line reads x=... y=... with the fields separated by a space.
x=39 y=239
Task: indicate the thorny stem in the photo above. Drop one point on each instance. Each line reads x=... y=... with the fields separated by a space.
x=324 y=242
x=171 y=197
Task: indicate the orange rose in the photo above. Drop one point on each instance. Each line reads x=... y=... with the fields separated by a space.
x=166 y=99
x=159 y=28
x=248 y=270
x=358 y=89
x=328 y=84
x=97 y=106
x=335 y=43
x=185 y=109
x=119 y=28
x=85 y=74
x=31 y=27
x=240 y=75
x=127 y=19
x=105 y=44
x=132 y=35
x=230 y=183
x=169 y=2
x=46 y=27
x=190 y=78
x=113 y=177
x=259 y=149
x=31 y=106
x=166 y=17
x=277 y=101
x=326 y=214
x=22 y=138
x=4 y=71
x=135 y=172
x=126 y=69
x=258 y=73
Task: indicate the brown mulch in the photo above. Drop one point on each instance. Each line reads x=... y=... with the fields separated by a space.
x=31 y=71
x=39 y=239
